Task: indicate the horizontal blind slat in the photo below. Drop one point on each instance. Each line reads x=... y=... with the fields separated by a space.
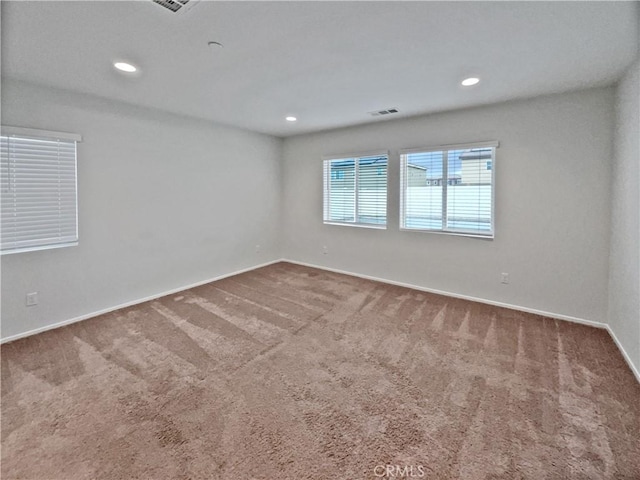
x=468 y=189
x=355 y=190
x=38 y=192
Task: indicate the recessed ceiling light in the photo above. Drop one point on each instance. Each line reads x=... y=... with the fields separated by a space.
x=125 y=67
x=467 y=82
x=291 y=119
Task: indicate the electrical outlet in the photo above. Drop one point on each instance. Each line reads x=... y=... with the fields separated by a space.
x=505 y=278
x=32 y=299
x=257 y=248
x=325 y=250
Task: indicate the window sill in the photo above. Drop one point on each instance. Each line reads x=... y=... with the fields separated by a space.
x=359 y=225
x=490 y=236
x=35 y=249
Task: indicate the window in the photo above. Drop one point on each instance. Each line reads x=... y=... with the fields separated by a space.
x=457 y=196
x=355 y=190
x=38 y=189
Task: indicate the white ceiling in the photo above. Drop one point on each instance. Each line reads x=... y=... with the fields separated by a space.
x=328 y=63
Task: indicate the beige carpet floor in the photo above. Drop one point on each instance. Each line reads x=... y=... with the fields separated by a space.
x=288 y=372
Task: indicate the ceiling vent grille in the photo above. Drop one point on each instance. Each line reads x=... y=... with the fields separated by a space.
x=377 y=113
x=177 y=6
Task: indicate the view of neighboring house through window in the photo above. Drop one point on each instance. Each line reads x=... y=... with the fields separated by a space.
x=355 y=190
x=38 y=185
x=448 y=189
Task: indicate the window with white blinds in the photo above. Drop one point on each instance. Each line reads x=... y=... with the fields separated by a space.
x=355 y=190
x=38 y=184
x=449 y=189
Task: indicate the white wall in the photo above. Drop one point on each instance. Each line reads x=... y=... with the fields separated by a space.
x=164 y=201
x=624 y=279
x=158 y=206
x=552 y=205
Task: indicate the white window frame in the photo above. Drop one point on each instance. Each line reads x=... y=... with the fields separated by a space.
x=326 y=215
x=445 y=149
x=36 y=134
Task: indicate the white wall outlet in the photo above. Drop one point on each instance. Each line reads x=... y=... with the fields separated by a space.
x=32 y=299
x=505 y=278
x=325 y=250
x=257 y=248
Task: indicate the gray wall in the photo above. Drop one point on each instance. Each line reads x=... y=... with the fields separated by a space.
x=624 y=279
x=552 y=205
x=167 y=201
x=164 y=202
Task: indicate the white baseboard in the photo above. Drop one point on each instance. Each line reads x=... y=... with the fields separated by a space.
x=558 y=316
x=129 y=304
x=520 y=308
x=625 y=355
x=568 y=318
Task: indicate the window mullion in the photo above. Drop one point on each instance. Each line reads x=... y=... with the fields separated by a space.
x=493 y=190
x=403 y=189
x=355 y=189
x=445 y=177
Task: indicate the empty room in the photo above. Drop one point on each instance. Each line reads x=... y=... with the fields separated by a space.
x=320 y=240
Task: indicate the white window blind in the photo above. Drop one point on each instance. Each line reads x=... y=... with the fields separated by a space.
x=449 y=189
x=355 y=190
x=38 y=189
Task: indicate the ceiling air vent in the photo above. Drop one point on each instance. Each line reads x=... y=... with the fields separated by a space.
x=177 y=6
x=377 y=113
